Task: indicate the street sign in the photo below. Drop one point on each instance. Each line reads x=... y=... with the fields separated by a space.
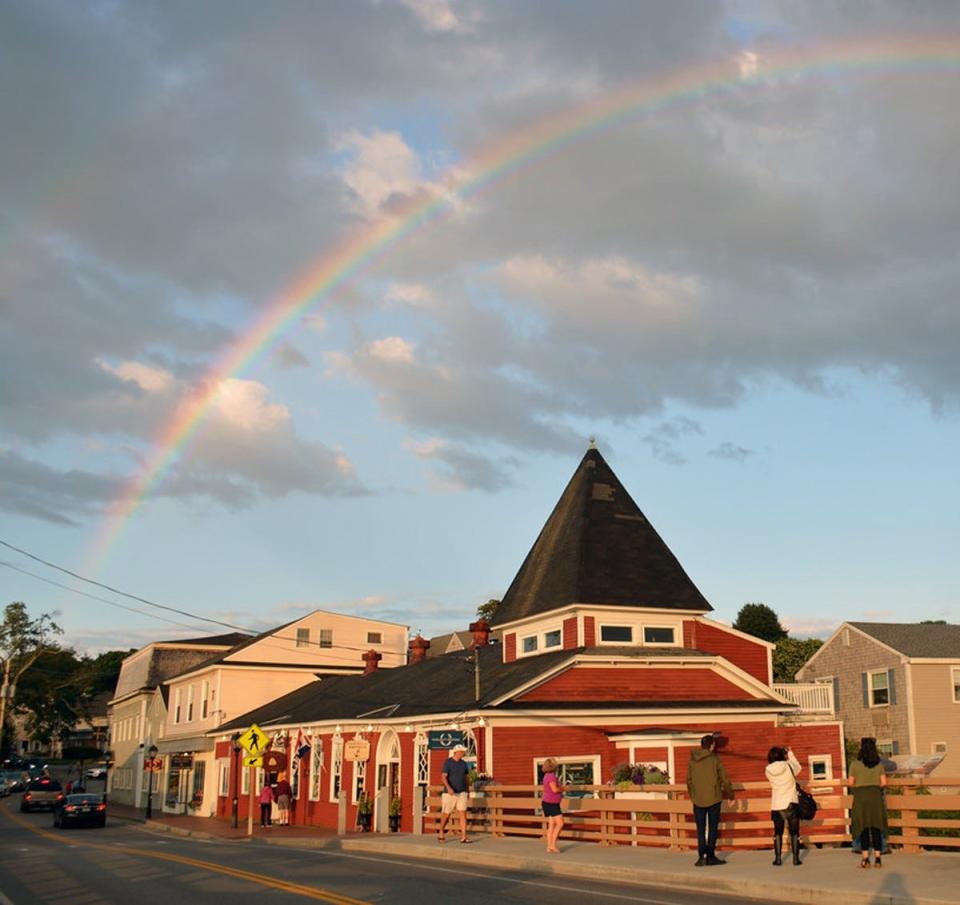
x=254 y=740
x=356 y=749
x=253 y=761
x=444 y=738
x=152 y=765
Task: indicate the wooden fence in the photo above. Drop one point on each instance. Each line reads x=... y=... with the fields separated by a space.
x=923 y=814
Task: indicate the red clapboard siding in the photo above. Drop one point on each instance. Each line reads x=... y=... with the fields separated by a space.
x=223 y=749
x=570 y=633
x=750 y=656
x=509 y=647
x=584 y=683
x=589 y=631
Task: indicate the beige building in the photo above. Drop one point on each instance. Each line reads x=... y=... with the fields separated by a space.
x=897 y=682
x=248 y=676
x=137 y=711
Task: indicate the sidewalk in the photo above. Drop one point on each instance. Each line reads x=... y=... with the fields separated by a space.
x=827 y=876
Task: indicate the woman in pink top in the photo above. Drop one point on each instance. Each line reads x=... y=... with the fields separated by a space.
x=266 y=804
x=552 y=796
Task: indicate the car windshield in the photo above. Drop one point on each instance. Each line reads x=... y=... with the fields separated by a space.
x=44 y=785
x=83 y=799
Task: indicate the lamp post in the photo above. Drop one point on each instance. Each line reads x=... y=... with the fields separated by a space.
x=235 y=808
x=152 y=751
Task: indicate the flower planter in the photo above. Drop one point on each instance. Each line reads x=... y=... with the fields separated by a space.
x=394 y=823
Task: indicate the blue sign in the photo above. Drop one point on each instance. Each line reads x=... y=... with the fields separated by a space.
x=444 y=738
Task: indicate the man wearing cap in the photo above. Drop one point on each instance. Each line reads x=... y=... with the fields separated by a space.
x=708 y=785
x=454 y=796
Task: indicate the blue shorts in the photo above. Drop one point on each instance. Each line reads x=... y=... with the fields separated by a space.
x=551 y=809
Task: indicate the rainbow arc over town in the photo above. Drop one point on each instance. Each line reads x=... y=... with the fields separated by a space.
x=509 y=154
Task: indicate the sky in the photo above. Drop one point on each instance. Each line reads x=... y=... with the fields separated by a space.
x=318 y=304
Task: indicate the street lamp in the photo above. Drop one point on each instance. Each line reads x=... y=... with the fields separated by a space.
x=236 y=777
x=152 y=751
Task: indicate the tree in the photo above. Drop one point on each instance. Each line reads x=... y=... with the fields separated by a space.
x=790 y=654
x=759 y=620
x=22 y=641
x=488 y=610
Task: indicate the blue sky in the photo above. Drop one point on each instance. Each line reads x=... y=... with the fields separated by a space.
x=749 y=299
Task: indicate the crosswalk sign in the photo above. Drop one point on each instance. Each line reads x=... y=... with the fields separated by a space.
x=253 y=761
x=254 y=740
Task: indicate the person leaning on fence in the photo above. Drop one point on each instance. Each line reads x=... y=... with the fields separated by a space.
x=868 y=816
x=552 y=796
x=454 y=795
x=708 y=785
x=782 y=771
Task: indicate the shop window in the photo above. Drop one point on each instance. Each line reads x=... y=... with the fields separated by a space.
x=316 y=764
x=572 y=771
x=654 y=634
x=359 y=779
x=336 y=769
x=326 y=637
x=303 y=637
x=616 y=634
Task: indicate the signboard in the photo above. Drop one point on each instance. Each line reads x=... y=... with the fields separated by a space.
x=181 y=761
x=444 y=738
x=255 y=740
x=356 y=749
x=274 y=761
x=153 y=765
x=253 y=761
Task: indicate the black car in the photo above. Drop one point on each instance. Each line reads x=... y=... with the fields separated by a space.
x=80 y=810
x=42 y=793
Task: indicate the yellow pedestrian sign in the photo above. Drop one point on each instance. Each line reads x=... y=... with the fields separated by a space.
x=253 y=761
x=254 y=740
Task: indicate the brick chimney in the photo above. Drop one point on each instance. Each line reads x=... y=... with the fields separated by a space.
x=481 y=633
x=418 y=649
x=371 y=658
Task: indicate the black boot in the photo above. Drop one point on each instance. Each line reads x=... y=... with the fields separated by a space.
x=777 y=850
x=795 y=848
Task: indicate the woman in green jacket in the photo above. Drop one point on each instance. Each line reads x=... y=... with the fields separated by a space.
x=868 y=816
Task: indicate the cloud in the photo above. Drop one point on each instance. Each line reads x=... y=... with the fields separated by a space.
x=731 y=452
x=664 y=440
x=456 y=468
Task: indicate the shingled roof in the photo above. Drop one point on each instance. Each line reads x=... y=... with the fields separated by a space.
x=915 y=639
x=598 y=547
x=412 y=690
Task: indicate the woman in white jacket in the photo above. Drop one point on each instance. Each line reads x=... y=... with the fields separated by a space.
x=782 y=771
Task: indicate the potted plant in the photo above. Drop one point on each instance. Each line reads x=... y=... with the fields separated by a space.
x=364 y=812
x=478 y=781
x=395 y=805
x=633 y=780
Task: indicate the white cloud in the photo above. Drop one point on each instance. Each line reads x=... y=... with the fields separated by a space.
x=435 y=15
x=381 y=170
x=146 y=377
x=391 y=350
x=243 y=403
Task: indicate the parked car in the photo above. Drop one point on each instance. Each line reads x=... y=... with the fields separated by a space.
x=41 y=794
x=97 y=771
x=13 y=780
x=80 y=810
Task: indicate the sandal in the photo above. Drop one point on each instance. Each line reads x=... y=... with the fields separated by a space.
x=441 y=838
x=865 y=861
x=465 y=841
x=877 y=862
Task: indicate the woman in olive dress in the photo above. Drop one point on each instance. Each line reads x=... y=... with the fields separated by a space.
x=868 y=816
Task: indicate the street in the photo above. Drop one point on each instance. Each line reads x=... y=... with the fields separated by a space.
x=124 y=862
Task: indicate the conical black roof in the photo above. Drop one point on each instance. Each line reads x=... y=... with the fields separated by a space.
x=597 y=547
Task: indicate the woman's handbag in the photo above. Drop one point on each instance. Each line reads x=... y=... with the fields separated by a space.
x=806 y=804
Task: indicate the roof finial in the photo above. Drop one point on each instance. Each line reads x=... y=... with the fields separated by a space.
x=593 y=442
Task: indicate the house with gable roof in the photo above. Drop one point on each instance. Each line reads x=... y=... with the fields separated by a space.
x=608 y=655
x=899 y=683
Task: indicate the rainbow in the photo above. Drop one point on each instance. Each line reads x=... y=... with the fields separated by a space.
x=507 y=155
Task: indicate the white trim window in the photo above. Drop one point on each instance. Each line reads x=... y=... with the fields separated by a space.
x=224 y=778
x=577 y=771
x=546 y=639
x=336 y=768
x=190 y=703
x=204 y=699
x=244 y=780
x=659 y=635
x=955 y=683
x=359 y=779
x=316 y=760
x=176 y=706
x=938 y=748
x=326 y=637
x=879 y=684
x=303 y=637
x=612 y=633
x=821 y=767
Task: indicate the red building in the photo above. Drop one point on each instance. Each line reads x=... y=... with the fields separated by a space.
x=607 y=656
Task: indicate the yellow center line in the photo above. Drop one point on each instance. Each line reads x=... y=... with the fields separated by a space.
x=298 y=889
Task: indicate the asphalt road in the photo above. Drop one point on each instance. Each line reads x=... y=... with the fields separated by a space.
x=124 y=863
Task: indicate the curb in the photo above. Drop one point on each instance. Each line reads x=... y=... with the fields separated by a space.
x=713 y=881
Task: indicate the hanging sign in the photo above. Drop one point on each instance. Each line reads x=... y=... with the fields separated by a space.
x=253 y=761
x=444 y=738
x=181 y=762
x=274 y=761
x=356 y=749
x=152 y=765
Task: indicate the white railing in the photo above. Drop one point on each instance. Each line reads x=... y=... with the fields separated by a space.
x=811 y=697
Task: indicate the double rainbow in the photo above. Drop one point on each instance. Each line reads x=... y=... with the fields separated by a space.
x=338 y=265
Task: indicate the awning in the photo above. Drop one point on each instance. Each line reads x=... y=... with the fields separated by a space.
x=190 y=745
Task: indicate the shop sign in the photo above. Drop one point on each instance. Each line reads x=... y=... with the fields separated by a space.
x=444 y=738
x=356 y=749
x=181 y=762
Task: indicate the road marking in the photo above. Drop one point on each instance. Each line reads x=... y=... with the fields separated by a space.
x=308 y=892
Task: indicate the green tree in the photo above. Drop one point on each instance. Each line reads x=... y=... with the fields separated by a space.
x=488 y=610
x=759 y=620
x=22 y=641
x=790 y=654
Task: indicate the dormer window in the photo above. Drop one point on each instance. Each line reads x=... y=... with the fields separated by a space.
x=553 y=639
x=616 y=634
x=656 y=634
x=530 y=644
x=541 y=641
